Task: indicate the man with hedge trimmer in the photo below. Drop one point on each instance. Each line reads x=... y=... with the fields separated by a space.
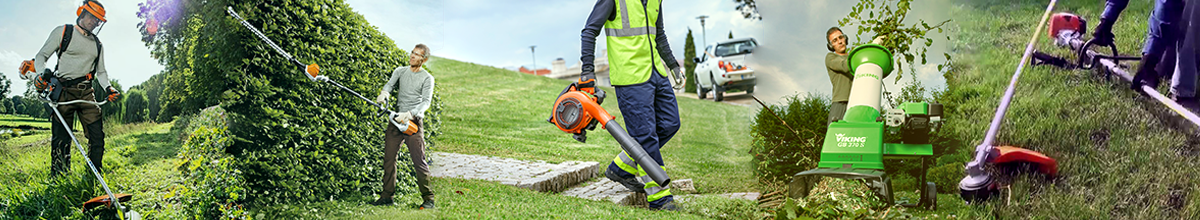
x=638 y=56
x=414 y=92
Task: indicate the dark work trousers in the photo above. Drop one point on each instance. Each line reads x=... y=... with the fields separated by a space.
x=416 y=150
x=651 y=118
x=93 y=128
x=837 y=110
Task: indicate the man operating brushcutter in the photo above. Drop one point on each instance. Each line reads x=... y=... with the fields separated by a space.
x=1170 y=48
x=414 y=92
x=638 y=58
x=80 y=60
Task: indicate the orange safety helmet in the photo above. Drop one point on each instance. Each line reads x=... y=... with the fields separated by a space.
x=94 y=7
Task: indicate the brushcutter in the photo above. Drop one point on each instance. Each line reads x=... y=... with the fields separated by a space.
x=979 y=185
x=104 y=200
x=312 y=71
x=576 y=111
x=1070 y=35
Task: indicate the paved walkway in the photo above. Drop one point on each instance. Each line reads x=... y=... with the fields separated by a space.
x=567 y=178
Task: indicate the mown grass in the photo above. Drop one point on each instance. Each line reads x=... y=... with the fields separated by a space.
x=139 y=160
x=22 y=121
x=497 y=112
x=1119 y=154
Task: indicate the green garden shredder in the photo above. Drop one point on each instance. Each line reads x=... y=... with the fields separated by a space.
x=854 y=147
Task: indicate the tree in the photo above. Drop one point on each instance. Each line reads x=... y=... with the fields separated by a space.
x=689 y=63
x=887 y=20
x=111 y=110
x=730 y=34
x=135 y=106
x=749 y=9
x=5 y=85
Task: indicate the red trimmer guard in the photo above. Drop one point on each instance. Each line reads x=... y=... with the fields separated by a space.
x=1009 y=154
x=104 y=201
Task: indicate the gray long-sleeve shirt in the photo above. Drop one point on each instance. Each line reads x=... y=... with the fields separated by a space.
x=414 y=90
x=77 y=60
x=601 y=13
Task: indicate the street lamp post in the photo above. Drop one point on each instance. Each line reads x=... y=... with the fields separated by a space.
x=703 y=30
x=531 y=50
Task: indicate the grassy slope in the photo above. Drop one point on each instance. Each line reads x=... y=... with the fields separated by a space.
x=1117 y=158
x=492 y=111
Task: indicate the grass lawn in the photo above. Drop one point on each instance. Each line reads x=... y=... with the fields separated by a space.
x=139 y=157
x=497 y=112
x=24 y=122
x=1117 y=155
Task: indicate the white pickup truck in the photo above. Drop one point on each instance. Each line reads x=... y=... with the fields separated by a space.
x=723 y=68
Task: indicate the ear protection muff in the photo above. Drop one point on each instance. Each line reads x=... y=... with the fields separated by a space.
x=94 y=7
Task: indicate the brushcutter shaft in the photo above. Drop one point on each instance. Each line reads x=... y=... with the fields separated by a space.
x=91 y=166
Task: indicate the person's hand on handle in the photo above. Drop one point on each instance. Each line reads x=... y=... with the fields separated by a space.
x=382 y=99
x=113 y=94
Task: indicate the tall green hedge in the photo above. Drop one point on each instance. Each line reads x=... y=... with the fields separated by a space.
x=294 y=140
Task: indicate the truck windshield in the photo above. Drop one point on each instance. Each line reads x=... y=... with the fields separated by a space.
x=734 y=48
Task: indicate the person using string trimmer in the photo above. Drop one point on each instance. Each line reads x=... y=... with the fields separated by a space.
x=414 y=92
x=1170 y=48
x=639 y=57
x=80 y=60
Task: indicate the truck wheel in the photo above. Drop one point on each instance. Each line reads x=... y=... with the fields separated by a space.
x=750 y=90
x=700 y=90
x=719 y=94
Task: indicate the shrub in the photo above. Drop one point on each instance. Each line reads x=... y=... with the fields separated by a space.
x=213 y=188
x=778 y=152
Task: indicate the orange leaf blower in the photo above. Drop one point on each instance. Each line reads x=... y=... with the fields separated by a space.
x=576 y=111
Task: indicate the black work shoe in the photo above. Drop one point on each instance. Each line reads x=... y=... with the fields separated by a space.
x=670 y=206
x=630 y=183
x=428 y=204
x=382 y=201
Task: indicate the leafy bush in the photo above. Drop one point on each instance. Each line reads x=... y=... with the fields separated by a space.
x=213 y=187
x=778 y=152
x=292 y=140
x=135 y=106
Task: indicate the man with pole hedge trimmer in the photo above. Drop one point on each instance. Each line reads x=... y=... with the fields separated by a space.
x=1170 y=48
x=414 y=92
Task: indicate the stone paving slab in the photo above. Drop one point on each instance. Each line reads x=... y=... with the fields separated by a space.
x=534 y=175
x=607 y=190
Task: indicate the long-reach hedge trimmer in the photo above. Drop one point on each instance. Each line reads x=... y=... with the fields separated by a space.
x=313 y=73
x=576 y=110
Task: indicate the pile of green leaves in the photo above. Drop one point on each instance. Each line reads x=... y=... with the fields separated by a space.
x=213 y=188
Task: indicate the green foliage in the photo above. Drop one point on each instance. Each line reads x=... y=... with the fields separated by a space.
x=111 y=110
x=5 y=85
x=779 y=152
x=291 y=139
x=840 y=199
x=689 y=63
x=748 y=8
x=136 y=106
x=887 y=20
x=213 y=188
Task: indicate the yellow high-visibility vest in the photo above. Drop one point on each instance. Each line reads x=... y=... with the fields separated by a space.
x=631 y=47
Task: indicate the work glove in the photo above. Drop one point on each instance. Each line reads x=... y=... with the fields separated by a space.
x=1103 y=35
x=878 y=40
x=1146 y=74
x=41 y=81
x=382 y=99
x=403 y=118
x=113 y=94
x=587 y=82
x=679 y=78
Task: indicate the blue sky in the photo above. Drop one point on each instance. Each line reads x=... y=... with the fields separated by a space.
x=25 y=25
x=499 y=33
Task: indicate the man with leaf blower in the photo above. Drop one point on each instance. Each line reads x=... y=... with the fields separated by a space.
x=638 y=55
x=414 y=92
x=1170 y=48
x=80 y=60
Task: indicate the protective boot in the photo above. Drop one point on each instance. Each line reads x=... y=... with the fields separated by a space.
x=630 y=183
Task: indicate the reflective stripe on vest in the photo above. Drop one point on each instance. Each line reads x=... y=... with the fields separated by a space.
x=631 y=47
